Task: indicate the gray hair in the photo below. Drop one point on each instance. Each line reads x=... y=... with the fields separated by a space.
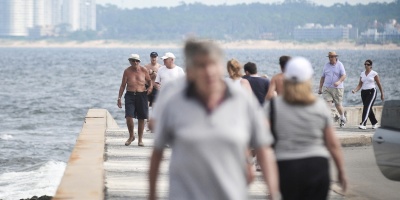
x=194 y=47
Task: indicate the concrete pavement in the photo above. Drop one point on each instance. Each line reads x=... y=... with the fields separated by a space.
x=126 y=167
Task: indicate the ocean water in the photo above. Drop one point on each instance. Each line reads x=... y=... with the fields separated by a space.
x=46 y=92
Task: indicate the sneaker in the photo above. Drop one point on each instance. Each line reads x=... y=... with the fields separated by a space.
x=362 y=127
x=343 y=122
x=375 y=126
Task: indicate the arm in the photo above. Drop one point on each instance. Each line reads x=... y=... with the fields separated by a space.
x=157 y=81
x=149 y=82
x=246 y=85
x=266 y=159
x=333 y=146
x=153 y=173
x=271 y=90
x=341 y=79
x=358 y=86
x=321 y=83
x=378 y=82
x=122 y=89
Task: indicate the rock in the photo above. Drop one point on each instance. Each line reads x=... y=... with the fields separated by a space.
x=44 y=197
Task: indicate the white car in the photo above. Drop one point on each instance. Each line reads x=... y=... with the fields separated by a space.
x=386 y=141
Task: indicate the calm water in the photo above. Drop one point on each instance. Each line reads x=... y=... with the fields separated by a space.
x=45 y=94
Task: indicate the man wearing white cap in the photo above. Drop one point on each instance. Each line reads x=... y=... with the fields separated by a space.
x=331 y=84
x=169 y=71
x=134 y=80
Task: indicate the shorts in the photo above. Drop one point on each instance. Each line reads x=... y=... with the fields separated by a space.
x=333 y=94
x=136 y=105
x=152 y=97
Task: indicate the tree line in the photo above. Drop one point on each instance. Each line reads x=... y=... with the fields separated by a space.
x=234 y=22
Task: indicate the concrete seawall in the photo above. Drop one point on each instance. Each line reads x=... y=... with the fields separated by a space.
x=84 y=175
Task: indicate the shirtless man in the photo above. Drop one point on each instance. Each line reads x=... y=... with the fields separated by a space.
x=136 y=106
x=152 y=67
x=276 y=84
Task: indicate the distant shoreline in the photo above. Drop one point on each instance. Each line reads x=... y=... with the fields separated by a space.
x=243 y=44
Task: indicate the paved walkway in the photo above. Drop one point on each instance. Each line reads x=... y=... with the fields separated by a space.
x=126 y=168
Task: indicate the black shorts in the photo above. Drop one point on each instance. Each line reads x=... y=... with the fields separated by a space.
x=136 y=105
x=152 y=96
x=306 y=178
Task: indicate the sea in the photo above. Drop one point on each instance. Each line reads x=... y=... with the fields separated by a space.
x=45 y=94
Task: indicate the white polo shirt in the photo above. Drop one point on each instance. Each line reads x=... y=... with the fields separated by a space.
x=208 y=159
x=368 y=81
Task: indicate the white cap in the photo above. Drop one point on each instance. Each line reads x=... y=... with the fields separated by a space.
x=168 y=55
x=298 y=69
x=134 y=57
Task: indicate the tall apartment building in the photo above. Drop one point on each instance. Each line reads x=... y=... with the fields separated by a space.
x=22 y=17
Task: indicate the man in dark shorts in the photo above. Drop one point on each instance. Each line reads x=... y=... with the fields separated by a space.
x=134 y=80
x=259 y=85
x=152 y=67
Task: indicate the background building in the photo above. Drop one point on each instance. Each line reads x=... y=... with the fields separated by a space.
x=317 y=32
x=43 y=17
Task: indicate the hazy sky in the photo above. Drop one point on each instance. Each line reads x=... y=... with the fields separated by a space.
x=170 y=3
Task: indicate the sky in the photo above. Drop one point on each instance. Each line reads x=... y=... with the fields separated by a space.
x=171 y=3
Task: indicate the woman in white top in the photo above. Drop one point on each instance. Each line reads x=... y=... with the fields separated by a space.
x=368 y=94
x=235 y=74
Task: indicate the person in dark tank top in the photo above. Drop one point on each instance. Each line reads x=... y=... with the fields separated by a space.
x=258 y=84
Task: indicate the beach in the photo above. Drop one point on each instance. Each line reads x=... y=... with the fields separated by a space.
x=241 y=44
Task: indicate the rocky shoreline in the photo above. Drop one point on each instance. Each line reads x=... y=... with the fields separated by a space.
x=44 y=197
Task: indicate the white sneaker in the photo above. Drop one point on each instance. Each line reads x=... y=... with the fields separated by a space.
x=362 y=127
x=147 y=127
x=375 y=126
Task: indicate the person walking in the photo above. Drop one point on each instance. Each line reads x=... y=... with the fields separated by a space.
x=259 y=85
x=134 y=79
x=368 y=94
x=276 y=84
x=235 y=75
x=302 y=126
x=152 y=67
x=169 y=72
x=331 y=84
x=211 y=134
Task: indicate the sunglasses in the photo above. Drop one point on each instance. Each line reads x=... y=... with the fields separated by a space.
x=133 y=60
x=332 y=56
x=367 y=64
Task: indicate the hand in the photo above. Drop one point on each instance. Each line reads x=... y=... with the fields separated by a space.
x=353 y=91
x=336 y=84
x=343 y=181
x=119 y=103
x=382 y=97
x=149 y=91
x=158 y=86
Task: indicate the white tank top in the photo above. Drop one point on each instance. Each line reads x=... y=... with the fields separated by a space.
x=369 y=80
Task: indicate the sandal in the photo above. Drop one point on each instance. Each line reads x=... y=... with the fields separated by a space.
x=141 y=144
x=128 y=142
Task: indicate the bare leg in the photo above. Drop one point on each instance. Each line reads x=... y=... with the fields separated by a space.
x=340 y=109
x=130 y=125
x=140 y=131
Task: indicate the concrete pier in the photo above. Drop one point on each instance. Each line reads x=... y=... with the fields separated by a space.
x=102 y=167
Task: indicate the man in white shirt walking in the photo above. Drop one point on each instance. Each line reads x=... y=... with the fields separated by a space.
x=169 y=71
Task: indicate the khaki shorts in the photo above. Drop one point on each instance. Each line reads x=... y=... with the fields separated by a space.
x=334 y=95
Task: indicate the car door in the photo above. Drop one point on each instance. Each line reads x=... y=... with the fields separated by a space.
x=386 y=141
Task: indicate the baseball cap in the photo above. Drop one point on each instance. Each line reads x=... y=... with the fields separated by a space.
x=134 y=57
x=168 y=55
x=153 y=54
x=298 y=69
